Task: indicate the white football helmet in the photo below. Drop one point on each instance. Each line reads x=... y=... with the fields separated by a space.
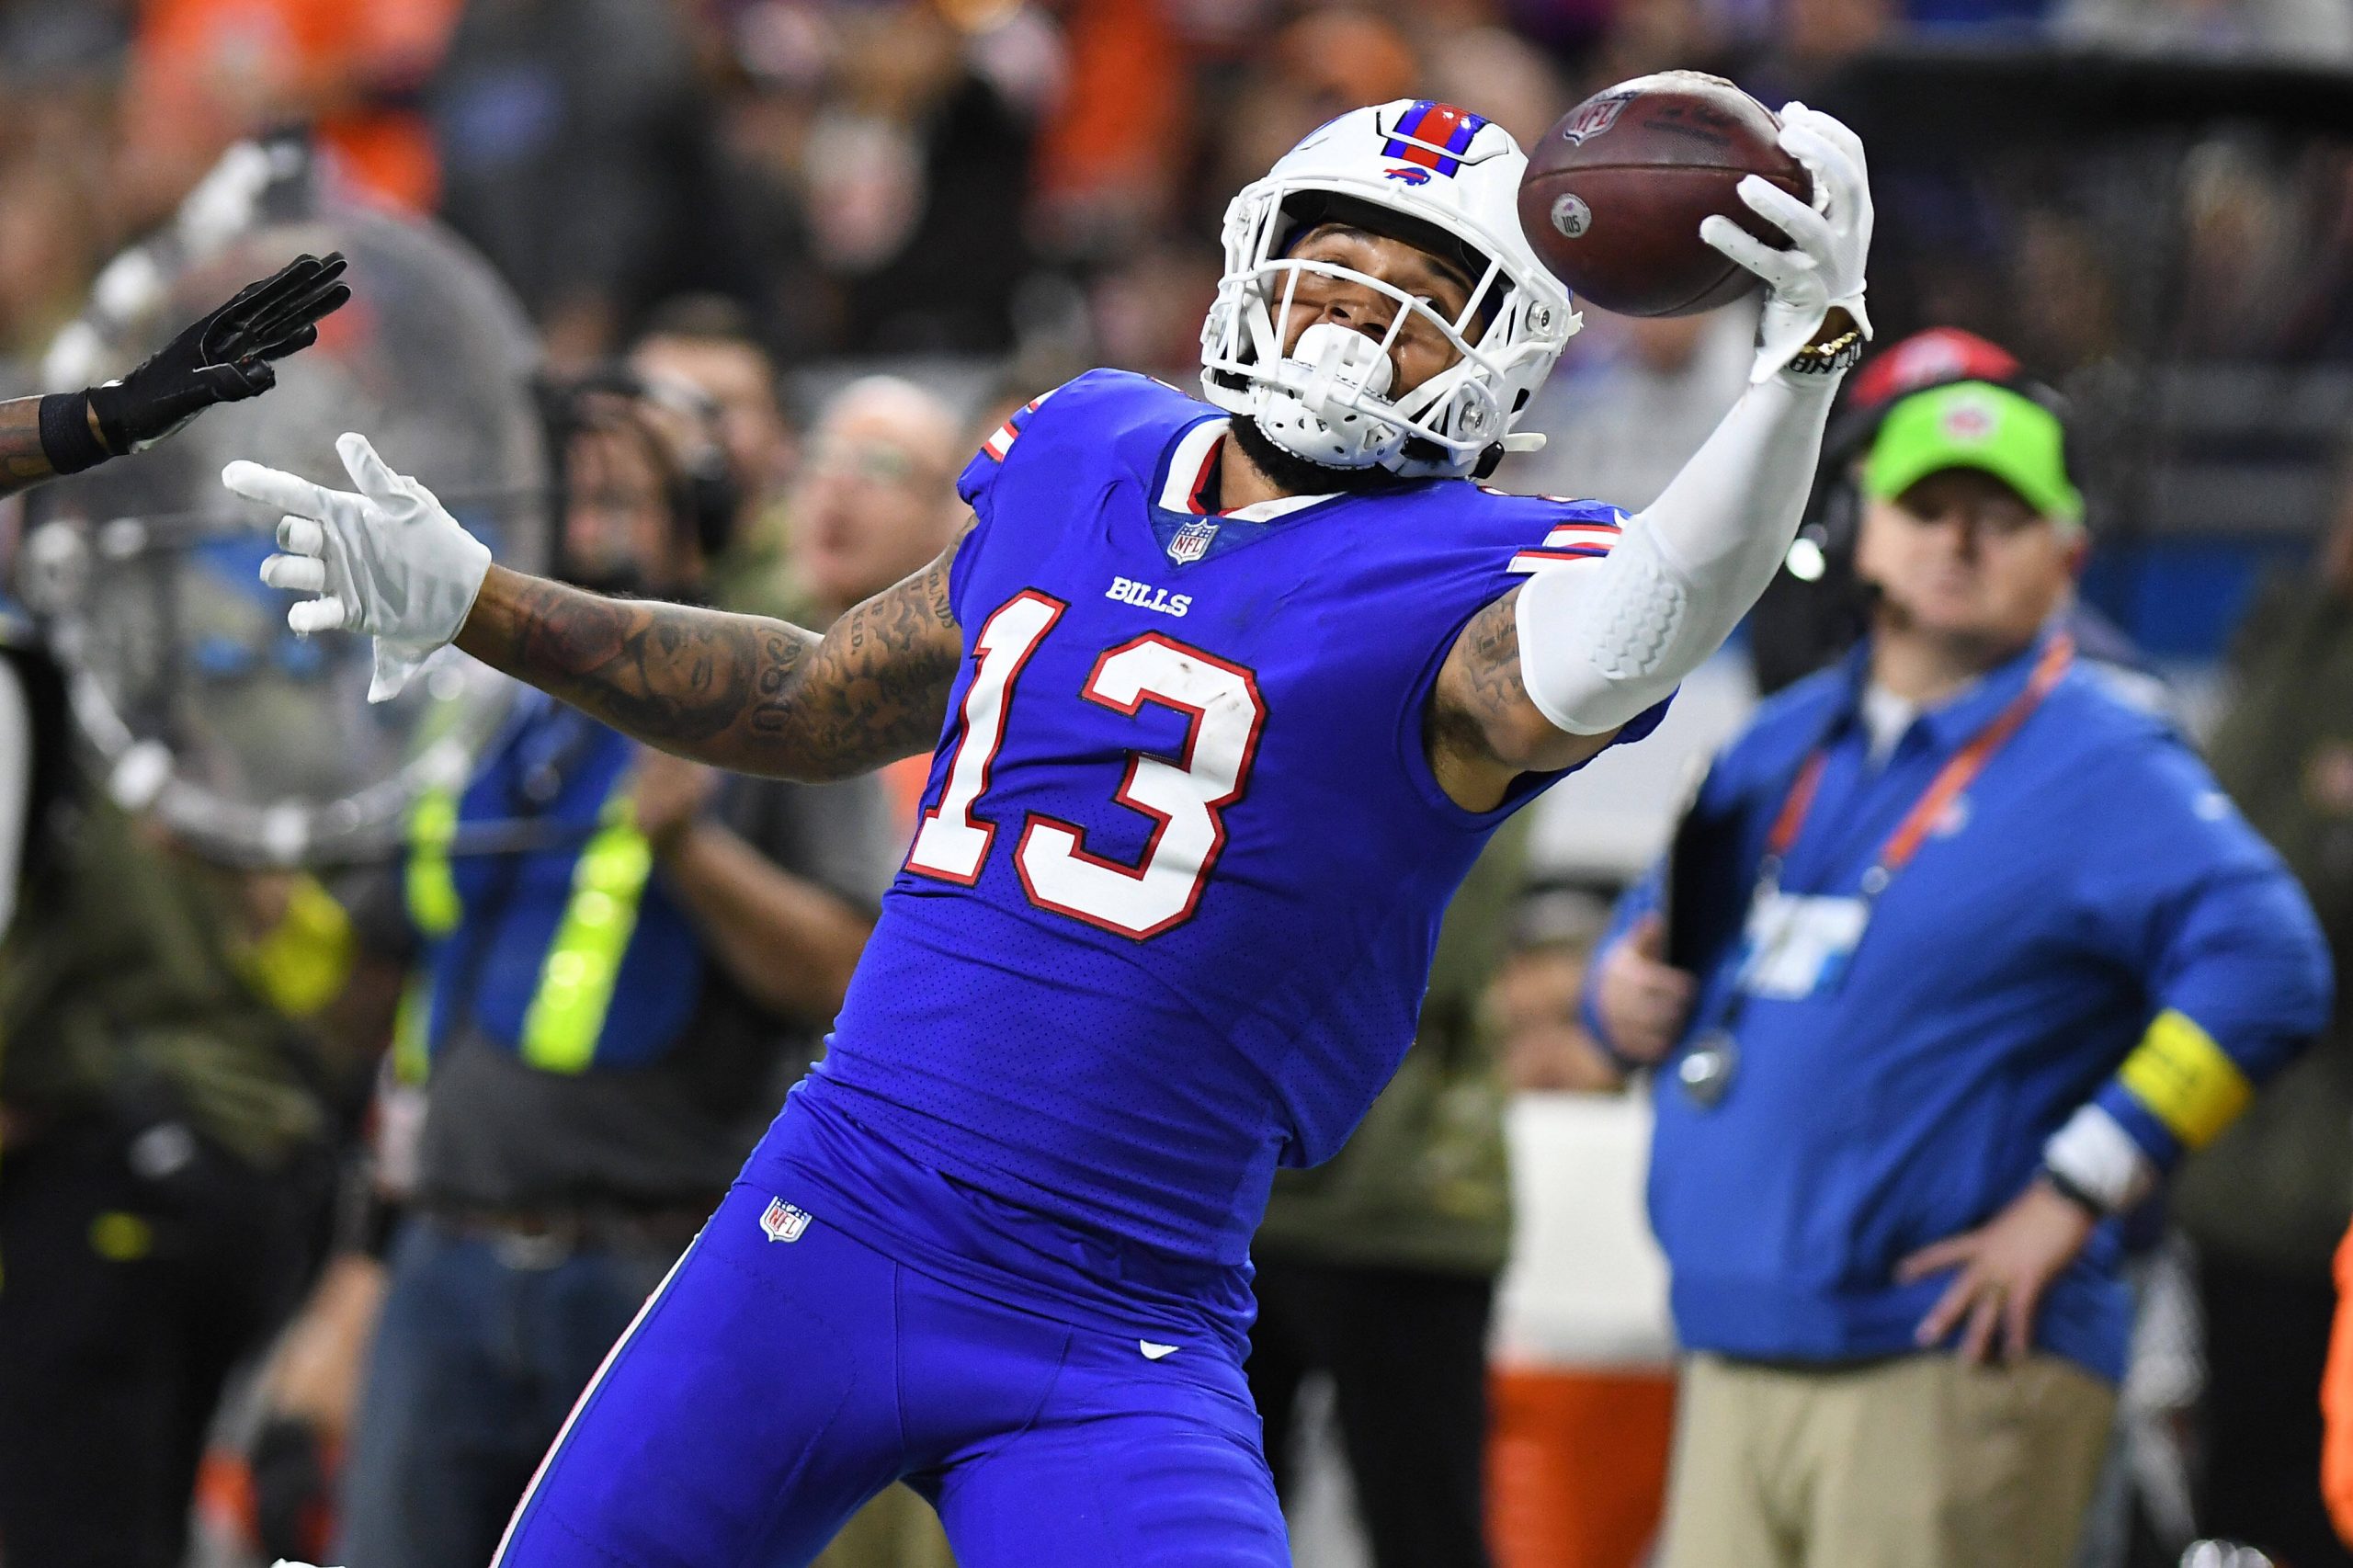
x=1437 y=178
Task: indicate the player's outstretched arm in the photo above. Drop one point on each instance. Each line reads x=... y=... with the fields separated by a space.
x=737 y=691
x=1543 y=677
x=24 y=461
x=225 y=357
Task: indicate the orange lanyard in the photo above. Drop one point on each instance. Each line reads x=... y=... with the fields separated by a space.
x=1956 y=775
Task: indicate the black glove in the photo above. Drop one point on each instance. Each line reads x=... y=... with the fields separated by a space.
x=224 y=357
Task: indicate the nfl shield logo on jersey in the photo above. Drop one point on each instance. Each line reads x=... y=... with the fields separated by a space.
x=783 y=1222
x=1191 y=542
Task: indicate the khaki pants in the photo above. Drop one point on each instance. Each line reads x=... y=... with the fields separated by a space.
x=1915 y=1463
x=898 y=1529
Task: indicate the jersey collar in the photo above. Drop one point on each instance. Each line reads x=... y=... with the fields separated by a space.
x=1192 y=462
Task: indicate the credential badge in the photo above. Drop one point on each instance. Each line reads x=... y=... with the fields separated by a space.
x=783 y=1222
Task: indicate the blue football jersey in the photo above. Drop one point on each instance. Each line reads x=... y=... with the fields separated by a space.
x=1169 y=913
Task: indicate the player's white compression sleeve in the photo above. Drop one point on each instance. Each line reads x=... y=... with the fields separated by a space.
x=1601 y=641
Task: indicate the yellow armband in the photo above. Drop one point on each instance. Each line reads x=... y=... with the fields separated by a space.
x=2185 y=1080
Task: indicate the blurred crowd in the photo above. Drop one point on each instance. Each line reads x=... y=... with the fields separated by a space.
x=799 y=256
x=984 y=176
x=1038 y=187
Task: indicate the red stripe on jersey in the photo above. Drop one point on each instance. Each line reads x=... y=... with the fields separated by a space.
x=1201 y=485
x=1530 y=560
x=996 y=446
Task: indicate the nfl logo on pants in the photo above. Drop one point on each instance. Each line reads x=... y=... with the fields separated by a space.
x=783 y=1222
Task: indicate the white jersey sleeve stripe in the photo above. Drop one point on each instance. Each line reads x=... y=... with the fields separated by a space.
x=997 y=445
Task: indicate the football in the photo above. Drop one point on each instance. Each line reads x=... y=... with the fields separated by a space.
x=1614 y=193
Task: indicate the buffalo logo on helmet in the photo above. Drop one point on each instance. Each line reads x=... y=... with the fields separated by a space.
x=1410 y=174
x=1593 y=117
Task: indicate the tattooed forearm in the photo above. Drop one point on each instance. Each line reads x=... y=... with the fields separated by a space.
x=875 y=688
x=23 y=464
x=674 y=675
x=739 y=691
x=1480 y=729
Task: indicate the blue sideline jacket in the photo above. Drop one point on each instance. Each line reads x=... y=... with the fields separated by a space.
x=2093 y=920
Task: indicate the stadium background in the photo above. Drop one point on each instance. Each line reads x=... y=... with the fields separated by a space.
x=2150 y=200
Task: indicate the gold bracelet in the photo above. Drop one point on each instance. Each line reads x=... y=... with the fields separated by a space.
x=1828 y=359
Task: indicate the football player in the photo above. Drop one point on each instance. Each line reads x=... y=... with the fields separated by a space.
x=1223 y=698
x=224 y=357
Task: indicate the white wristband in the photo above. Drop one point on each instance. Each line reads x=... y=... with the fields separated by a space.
x=2095 y=1153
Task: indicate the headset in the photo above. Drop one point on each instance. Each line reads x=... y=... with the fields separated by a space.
x=1818 y=604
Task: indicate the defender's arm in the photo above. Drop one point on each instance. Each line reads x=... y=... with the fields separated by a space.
x=739 y=691
x=24 y=461
x=224 y=357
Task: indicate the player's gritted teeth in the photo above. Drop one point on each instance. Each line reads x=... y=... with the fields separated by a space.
x=1421 y=350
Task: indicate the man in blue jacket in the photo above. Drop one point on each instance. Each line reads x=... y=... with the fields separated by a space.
x=1957 y=955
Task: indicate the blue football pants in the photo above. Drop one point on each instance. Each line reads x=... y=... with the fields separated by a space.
x=769 y=1388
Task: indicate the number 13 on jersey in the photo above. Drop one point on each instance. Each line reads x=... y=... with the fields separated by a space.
x=1182 y=795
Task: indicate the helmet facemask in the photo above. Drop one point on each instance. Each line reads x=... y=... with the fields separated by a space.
x=1328 y=401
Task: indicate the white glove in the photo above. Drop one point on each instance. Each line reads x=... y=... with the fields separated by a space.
x=388 y=560
x=1832 y=237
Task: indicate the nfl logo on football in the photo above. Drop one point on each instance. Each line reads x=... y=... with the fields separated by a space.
x=783 y=1222
x=1594 y=118
x=1192 y=542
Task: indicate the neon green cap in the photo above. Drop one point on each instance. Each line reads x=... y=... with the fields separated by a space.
x=1975 y=424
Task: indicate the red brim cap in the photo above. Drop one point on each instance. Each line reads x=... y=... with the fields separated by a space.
x=1929 y=358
